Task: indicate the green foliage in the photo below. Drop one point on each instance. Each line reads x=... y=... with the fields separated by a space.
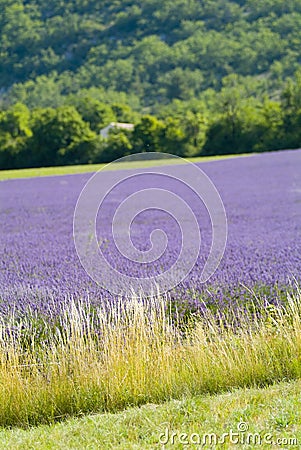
x=157 y=51
x=124 y=113
x=117 y=145
x=274 y=410
x=14 y=132
x=146 y=135
x=15 y=121
x=59 y=137
x=210 y=77
x=173 y=137
x=96 y=113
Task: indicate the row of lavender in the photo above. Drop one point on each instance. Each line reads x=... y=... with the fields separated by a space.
x=262 y=197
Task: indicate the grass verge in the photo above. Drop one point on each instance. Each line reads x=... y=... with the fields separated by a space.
x=273 y=411
x=89 y=168
x=134 y=353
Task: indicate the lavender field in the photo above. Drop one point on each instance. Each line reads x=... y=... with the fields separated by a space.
x=69 y=347
x=262 y=197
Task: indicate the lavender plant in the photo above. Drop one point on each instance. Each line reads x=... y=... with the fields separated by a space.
x=39 y=267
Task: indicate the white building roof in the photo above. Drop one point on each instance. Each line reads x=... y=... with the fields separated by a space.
x=121 y=125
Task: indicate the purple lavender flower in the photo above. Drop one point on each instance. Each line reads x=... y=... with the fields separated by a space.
x=39 y=266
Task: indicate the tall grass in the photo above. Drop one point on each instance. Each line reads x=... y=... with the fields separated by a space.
x=134 y=353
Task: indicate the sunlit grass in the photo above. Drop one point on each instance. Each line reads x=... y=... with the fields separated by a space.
x=275 y=410
x=135 y=353
x=88 y=168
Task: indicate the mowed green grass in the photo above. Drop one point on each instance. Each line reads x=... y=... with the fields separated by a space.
x=273 y=411
x=88 y=168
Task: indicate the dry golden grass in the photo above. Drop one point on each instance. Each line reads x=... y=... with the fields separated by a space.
x=134 y=353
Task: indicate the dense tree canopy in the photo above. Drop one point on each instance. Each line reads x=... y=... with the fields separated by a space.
x=156 y=51
x=195 y=77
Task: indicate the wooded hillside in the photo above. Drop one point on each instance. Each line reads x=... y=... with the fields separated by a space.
x=221 y=76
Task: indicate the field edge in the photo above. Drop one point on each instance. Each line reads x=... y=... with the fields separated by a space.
x=274 y=410
x=91 y=168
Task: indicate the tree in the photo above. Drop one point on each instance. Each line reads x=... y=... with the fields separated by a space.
x=14 y=132
x=225 y=130
x=146 y=135
x=116 y=146
x=15 y=121
x=291 y=104
x=269 y=134
x=195 y=125
x=96 y=113
x=183 y=135
x=124 y=113
x=180 y=83
x=58 y=138
x=172 y=137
